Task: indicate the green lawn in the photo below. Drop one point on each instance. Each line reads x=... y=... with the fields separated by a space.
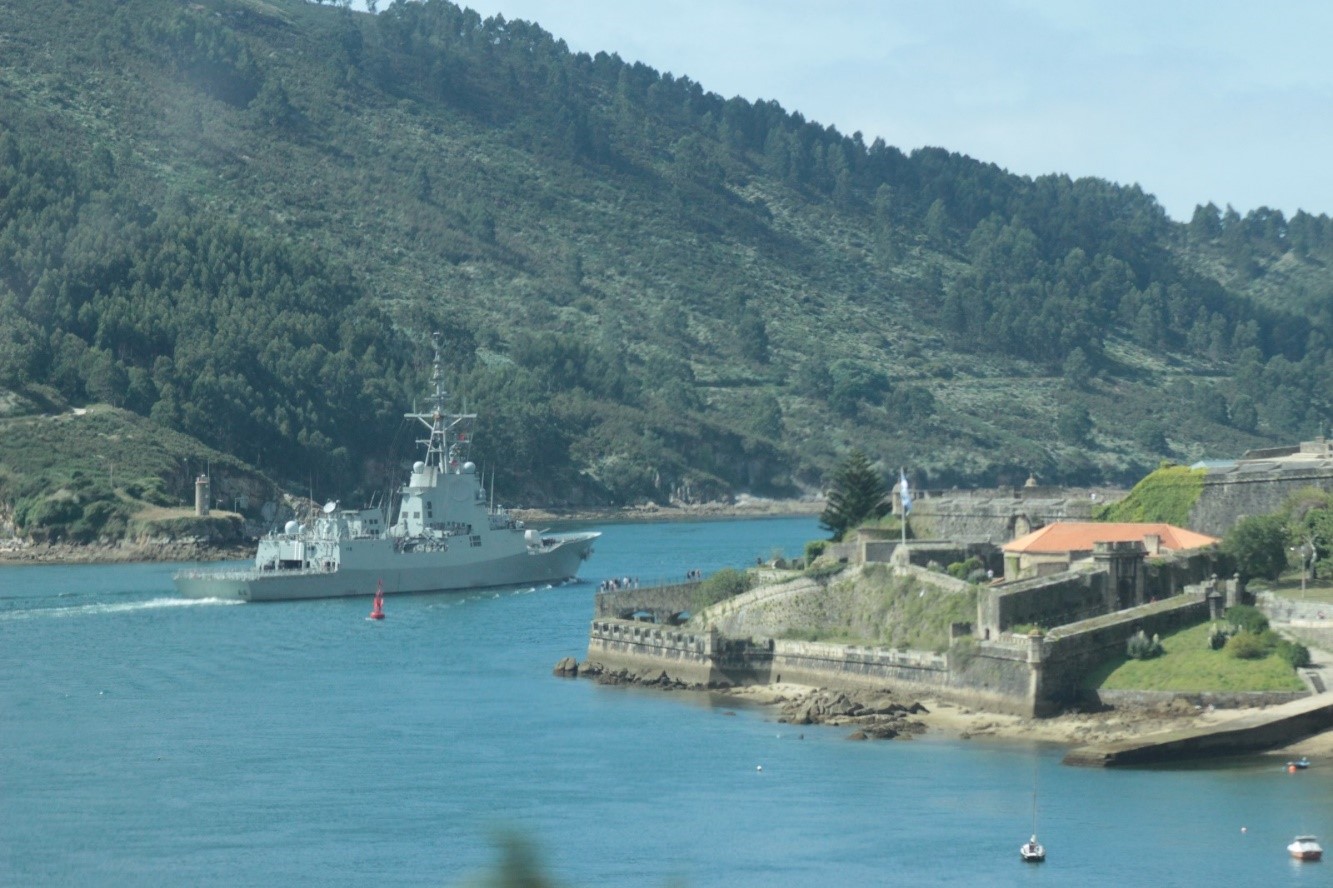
x=1290 y=587
x=1189 y=665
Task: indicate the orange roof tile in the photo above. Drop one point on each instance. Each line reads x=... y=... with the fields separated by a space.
x=1079 y=536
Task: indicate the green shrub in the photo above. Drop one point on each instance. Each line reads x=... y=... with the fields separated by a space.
x=962 y=570
x=820 y=571
x=1141 y=647
x=100 y=518
x=1295 y=653
x=726 y=583
x=1247 y=617
x=151 y=490
x=814 y=549
x=1246 y=646
x=1217 y=637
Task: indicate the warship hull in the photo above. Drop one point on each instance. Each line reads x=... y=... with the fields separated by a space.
x=370 y=562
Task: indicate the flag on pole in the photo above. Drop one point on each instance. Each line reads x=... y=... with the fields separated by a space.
x=904 y=492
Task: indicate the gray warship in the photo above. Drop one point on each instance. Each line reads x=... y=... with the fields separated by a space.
x=446 y=537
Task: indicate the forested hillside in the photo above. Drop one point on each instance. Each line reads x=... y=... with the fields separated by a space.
x=242 y=219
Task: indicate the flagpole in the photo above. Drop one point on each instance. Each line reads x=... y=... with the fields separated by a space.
x=903 y=498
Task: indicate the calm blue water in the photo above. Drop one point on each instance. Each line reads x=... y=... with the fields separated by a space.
x=149 y=740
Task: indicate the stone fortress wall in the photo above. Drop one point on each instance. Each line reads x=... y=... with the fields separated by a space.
x=1088 y=614
x=1259 y=483
x=734 y=642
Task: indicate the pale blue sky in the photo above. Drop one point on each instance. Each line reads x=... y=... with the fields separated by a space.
x=1195 y=101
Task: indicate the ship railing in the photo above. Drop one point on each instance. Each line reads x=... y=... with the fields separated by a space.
x=250 y=573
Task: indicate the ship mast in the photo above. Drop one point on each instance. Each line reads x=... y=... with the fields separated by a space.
x=450 y=433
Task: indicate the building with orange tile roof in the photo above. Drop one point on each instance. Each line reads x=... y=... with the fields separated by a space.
x=1057 y=547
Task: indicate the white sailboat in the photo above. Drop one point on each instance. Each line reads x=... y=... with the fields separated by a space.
x=1033 y=851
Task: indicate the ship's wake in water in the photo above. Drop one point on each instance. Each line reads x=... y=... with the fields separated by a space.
x=103 y=607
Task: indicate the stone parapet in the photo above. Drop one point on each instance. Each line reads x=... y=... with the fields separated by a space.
x=643 y=646
x=663 y=601
x=818 y=664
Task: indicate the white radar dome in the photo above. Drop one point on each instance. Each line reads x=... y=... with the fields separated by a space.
x=469 y=468
x=290 y=527
x=418 y=467
x=532 y=537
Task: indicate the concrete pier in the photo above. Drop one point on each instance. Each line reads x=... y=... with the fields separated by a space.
x=1273 y=727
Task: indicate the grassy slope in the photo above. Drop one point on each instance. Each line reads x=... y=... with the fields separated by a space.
x=872 y=607
x=1189 y=665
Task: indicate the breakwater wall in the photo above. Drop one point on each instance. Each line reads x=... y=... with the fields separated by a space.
x=644 y=647
x=1274 y=727
x=1158 y=700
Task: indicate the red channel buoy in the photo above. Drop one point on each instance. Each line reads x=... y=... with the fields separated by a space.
x=377 y=613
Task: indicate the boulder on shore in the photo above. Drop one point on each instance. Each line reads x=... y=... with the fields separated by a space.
x=872 y=713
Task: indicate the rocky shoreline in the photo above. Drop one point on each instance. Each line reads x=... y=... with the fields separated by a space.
x=741 y=507
x=871 y=714
x=880 y=714
x=120 y=552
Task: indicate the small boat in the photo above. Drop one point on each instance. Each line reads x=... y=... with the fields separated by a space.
x=1306 y=848
x=1299 y=764
x=1032 y=851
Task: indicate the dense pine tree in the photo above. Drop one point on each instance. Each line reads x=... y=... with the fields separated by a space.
x=856 y=494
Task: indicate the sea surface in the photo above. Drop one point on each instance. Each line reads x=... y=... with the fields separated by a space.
x=150 y=740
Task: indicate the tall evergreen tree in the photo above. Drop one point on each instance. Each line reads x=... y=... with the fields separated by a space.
x=856 y=494
x=1259 y=546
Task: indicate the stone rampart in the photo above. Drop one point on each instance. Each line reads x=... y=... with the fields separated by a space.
x=1253 y=487
x=998 y=676
x=1089 y=591
x=778 y=609
x=644 y=647
x=817 y=663
x=1043 y=601
x=1026 y=675
x=767 y=610
x=1070 y=652
x=869 y=547
x=997 y=516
